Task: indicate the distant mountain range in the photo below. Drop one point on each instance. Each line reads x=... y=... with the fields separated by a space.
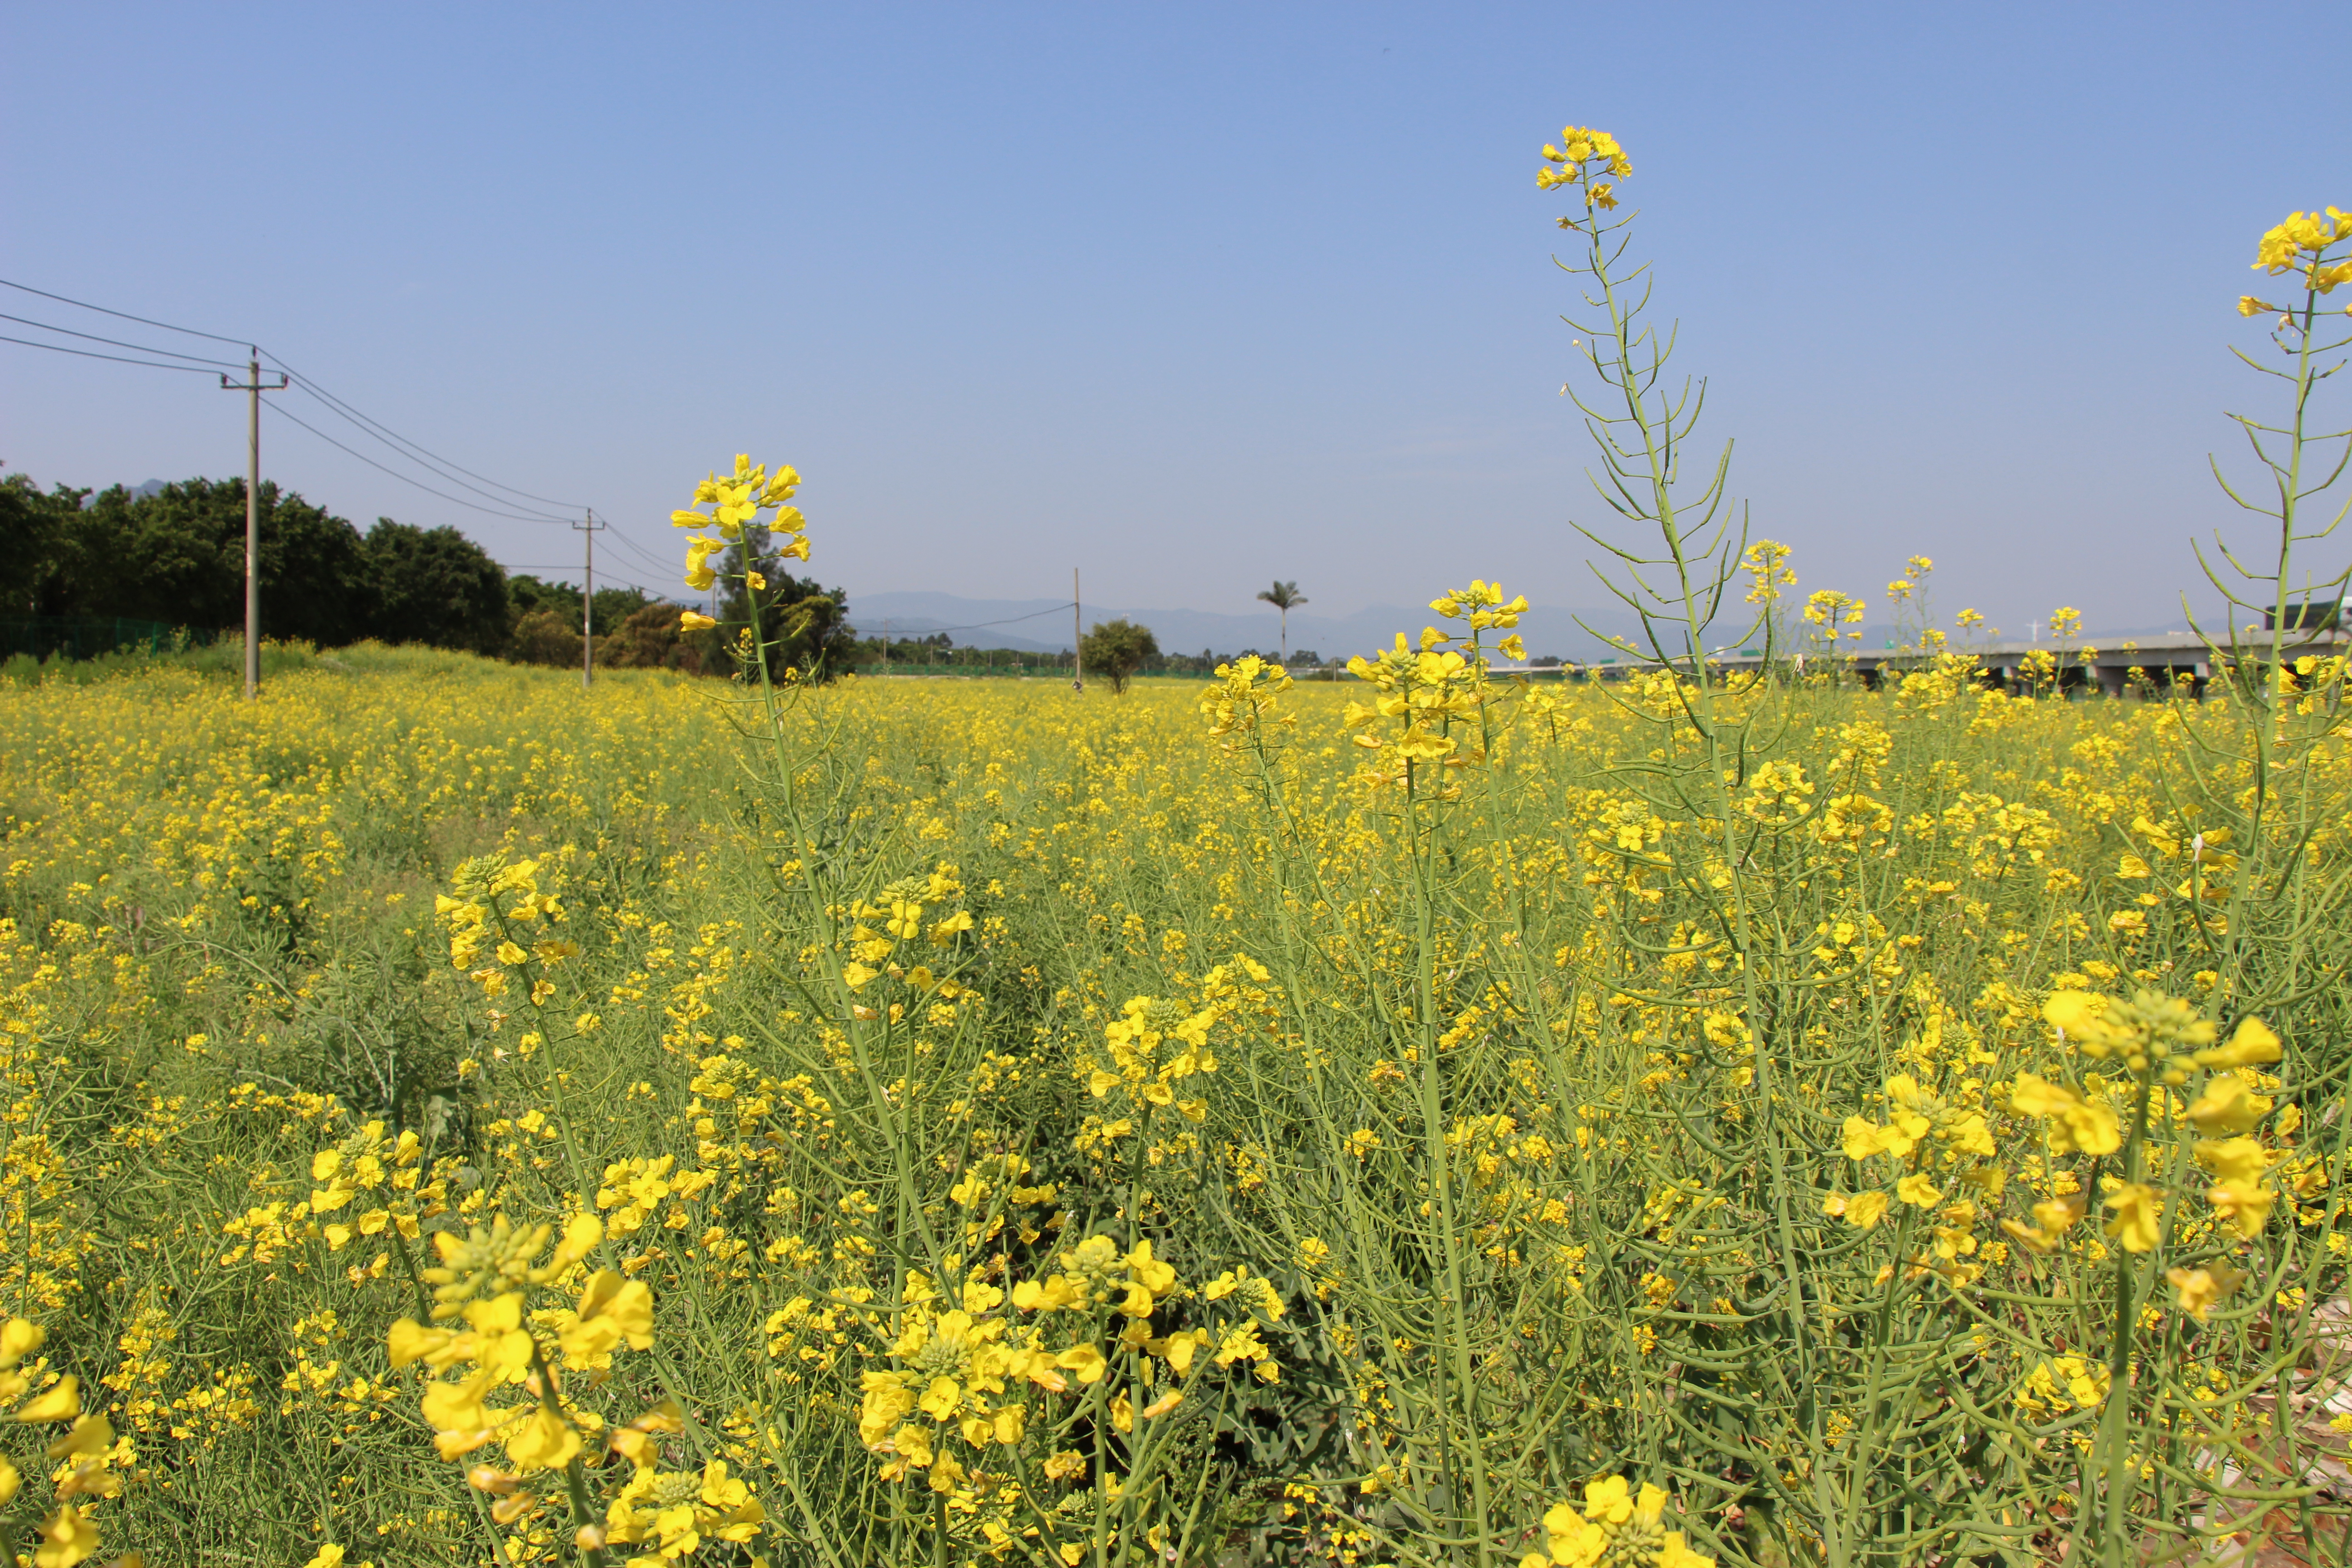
x=1043 y=625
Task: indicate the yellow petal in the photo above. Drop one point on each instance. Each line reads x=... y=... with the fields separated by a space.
x=19 y=1339
x=60 y=1402
x=66 y=1537
x=2077 y=1012
x=2250 y=1044
x=545 y=1442
x=92 y=1436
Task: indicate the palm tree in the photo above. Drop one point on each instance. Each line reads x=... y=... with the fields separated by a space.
x=1282 y=595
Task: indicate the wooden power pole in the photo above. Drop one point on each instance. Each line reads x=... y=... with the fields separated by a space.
x=588 y=601
x=253 y=387
x=1077 y=637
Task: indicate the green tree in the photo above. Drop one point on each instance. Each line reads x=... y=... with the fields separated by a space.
x=528 y=594
x=435 y=586
x=547 y=636
x=178 y=556
x=1116 y=649
x=1282 y=596
x=33 y=533
x=547 y=623
x=650 y=638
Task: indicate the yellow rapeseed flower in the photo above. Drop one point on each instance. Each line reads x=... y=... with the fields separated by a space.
x=2201 y=1290
x=2138 y=1212
x=2300 y=244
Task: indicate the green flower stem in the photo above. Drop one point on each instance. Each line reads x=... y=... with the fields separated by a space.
x=1432 y=1114
x=2122 y=1474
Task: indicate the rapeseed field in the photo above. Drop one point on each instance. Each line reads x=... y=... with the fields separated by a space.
x=1714 y=1117
x=1022 y=1125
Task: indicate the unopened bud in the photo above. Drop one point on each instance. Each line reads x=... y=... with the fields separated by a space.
x=591 y=1538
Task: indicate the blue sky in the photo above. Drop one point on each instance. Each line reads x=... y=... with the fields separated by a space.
x=1191 y=297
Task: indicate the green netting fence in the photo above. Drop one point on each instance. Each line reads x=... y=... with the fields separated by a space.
x=92 y=637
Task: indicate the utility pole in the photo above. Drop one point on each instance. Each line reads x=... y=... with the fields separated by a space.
x=1077 y=637
x=588 y=601
x=253 y=388
x=886 y=648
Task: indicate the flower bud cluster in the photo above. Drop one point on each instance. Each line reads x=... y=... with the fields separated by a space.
x=1431 y=691
x=974 y=1387
x=899 y=914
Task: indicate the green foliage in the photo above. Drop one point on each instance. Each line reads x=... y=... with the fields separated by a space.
x=434 y=586
x=1114 y=650
x=177 y=557
x=546 y=636
x=804 y=626
x=528 y=593
x=650 y=639
x=31 y=526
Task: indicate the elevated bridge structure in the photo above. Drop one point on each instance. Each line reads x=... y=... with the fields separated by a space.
x=2169 y=663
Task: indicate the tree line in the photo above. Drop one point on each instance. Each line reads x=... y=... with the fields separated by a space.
x=177 y=556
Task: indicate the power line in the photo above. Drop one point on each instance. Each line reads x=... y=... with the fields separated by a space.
x=404 y=479
x=124 y=315
x=417 y=452
x=658 y=593
x=983 y=625
x=362 y=426
x=61 y=348
x=441 y=468
x=640 y=552
x=93 y=337
x=409 y=449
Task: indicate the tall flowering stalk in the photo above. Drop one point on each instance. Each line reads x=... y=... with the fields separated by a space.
x=1705 y=770
x=859 y=925
x=2314 y=250
x=2287 y=705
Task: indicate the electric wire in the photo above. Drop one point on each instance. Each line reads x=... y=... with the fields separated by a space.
x=652 y=595
x=514 y=509
x=86 y=353
x=421 y=455
x=415 y=451
x=387 y=436
x=983 y=625
x=652 y=561
x=124 y=315
x=142 y=348
x=458 y=500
